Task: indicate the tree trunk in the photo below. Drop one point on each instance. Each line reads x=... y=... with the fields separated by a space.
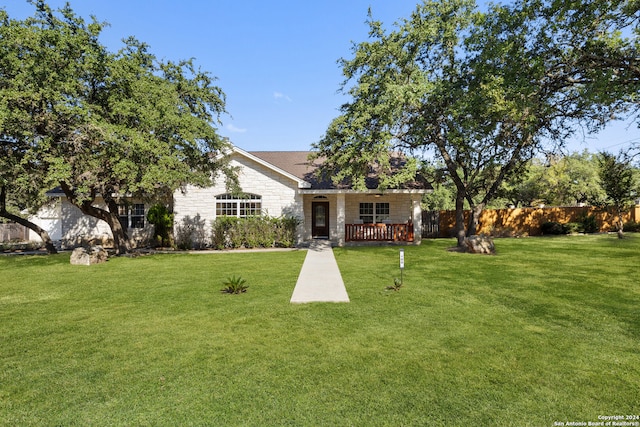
x=120 y=238
x=620 y=224
x=44 y=235
x=460 y=232
x=474 y=219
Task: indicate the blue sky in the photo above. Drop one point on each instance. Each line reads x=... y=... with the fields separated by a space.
x=275 y=60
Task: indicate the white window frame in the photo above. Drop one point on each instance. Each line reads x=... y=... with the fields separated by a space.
x=238 y=205
x=133 y=213
x=374 y=212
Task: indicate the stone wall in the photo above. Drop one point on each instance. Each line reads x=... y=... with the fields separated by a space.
x=280 y=195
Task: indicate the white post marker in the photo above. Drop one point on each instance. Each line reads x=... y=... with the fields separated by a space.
x=401 y=264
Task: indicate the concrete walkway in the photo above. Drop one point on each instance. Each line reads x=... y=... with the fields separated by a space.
x=320 y=279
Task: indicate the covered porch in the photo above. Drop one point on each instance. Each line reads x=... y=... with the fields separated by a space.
x=350 y=217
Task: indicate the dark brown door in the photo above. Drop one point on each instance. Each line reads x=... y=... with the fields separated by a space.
x=320 y=219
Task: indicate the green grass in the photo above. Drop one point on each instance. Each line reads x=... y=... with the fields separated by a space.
x=546 y=331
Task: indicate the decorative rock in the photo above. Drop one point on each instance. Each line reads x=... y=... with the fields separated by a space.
x=82 y=256
x=79 y=256
x=479 y=245
x=98 y=255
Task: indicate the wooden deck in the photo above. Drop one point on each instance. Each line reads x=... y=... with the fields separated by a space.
x=378 y=232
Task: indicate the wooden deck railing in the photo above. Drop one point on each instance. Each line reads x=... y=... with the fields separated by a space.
x=378 y=232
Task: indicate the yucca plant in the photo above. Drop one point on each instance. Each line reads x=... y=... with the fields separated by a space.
x=234 y=285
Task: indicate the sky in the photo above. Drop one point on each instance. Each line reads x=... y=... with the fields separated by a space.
x=276 y=60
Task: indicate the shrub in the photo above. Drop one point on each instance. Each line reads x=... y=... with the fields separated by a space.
x=190 y=233
x=574 y=227
x=234 y=285
x=222 y=227
x=553 y=227
x=253 y=232
x=162 y=220
x=285 y=231
x=588 y=223
x=632 y=226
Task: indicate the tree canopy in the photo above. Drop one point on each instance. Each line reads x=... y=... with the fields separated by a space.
x=617 y=177
x=482 y=91
x=102 y=125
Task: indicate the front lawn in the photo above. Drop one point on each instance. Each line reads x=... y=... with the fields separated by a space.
x=546 y=331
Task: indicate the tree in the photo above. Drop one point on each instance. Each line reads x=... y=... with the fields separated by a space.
x=572 y=179
x=485 y=92
x=617 y=179
x=24 y=178
x=527 y=188
x=106 y=125
x=443 y=195
x=567 y=180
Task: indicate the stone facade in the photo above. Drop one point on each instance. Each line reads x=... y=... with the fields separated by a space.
x=67 y=225
x=279 y=195
x=286 y=186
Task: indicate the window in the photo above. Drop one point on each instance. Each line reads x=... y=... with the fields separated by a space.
x=366 y=213
x=131 y=216
x=371 y=213
x=238 y=205
x=382 y=212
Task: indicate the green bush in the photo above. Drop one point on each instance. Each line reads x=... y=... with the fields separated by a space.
x=574 y=227
x=588 y=223
x=254 y=232
x=162 y=220
x=190 y=233
x=285 y=231
x=553 y=227
x=222 y=236
x=632 y=226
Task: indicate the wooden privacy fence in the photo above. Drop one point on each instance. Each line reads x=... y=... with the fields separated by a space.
x=524 y=221
x=12 y=231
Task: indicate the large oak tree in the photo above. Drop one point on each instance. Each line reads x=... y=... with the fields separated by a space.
x=483 y=91
x=102 y=125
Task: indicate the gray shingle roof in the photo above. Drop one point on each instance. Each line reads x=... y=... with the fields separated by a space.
x=297 y=163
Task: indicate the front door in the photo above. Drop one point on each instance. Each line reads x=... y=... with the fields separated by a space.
x=320 y=219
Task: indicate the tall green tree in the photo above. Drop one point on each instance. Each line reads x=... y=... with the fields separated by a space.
x=485 y=92
x=106 y=125
x=572 y=179
x=617 y=179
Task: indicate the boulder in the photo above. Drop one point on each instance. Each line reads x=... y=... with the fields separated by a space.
x=93 y=255
x=479 y=245
x=79 y=256
x=98 y=255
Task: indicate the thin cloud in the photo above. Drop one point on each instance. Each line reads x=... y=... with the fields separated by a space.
x=234 y=129
x=279 y=95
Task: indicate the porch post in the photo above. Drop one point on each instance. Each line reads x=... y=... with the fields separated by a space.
x=417 y=221
x=340 y=215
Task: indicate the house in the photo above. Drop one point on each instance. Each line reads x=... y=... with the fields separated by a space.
x=68 y=226
x=276 y=183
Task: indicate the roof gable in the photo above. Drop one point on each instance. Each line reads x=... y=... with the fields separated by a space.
x=297 y=166
x=273 y=166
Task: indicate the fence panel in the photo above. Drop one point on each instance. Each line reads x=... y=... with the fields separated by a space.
x=528 y=221
x=430 y=224
x=11 y=232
